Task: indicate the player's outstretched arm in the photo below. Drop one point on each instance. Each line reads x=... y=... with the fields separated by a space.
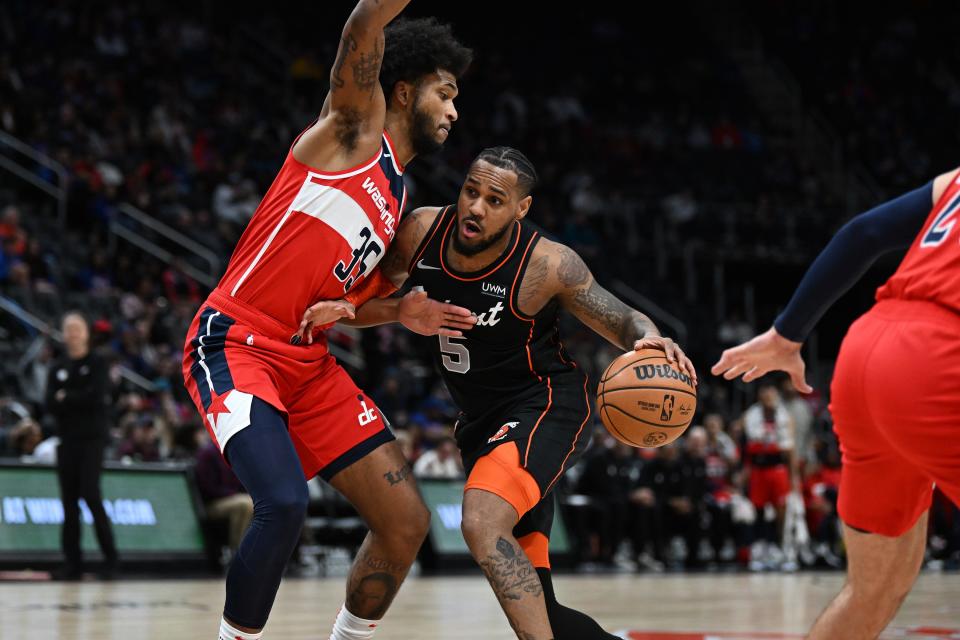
x=571 y=282
x=415 y=310
x=890 y=226
x=352 y=118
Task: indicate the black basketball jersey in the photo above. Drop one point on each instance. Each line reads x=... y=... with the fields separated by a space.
x=508 y=355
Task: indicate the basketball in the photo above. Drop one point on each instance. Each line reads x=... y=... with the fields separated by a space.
x=644 y=400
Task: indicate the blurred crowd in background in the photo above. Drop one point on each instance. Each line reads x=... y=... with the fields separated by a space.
x=665 y=161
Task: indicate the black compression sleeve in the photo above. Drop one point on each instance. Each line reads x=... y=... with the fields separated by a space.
x=892 y=225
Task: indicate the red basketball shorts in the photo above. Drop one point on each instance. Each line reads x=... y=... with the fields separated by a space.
x=769 y=485
x=234 y=353
x=896 y=410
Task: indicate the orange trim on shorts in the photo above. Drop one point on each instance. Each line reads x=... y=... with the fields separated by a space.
x=499 y=472
x=529 y=355
x=537 y=547
x=573 y=446
x=526 y=458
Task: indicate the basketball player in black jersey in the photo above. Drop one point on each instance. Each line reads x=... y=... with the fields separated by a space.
x=525 y=404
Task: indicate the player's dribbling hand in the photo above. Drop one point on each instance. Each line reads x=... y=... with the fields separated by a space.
x=766 y=352
x=430 y=317
x=323 y=313
x=672 y=350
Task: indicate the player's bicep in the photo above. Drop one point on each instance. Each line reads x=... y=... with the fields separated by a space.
x=355 y=76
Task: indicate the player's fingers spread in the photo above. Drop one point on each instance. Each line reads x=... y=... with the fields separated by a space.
x=736 y=370
x=755 y=373
x=726 y=359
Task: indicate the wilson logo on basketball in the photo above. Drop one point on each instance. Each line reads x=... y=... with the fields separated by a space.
x=649 y=371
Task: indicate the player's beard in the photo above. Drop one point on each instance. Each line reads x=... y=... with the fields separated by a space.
x=482 y=244
x=423 y=131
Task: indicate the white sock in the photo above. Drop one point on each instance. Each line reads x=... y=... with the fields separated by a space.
x=350 y=627
x=228 y=632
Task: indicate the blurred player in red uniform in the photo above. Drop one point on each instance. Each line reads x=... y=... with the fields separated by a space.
x=895 y=393
x=277 y=404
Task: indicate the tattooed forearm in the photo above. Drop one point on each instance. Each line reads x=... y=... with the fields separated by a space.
x=510 y=573
x=609 y=316
x=366 y=70
x=398 y=476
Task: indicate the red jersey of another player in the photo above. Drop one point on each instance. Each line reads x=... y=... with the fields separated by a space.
x=315 y=235
x=931 y=269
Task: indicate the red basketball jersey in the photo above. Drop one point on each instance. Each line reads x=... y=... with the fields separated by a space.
x=931 y=269
x=315 y=235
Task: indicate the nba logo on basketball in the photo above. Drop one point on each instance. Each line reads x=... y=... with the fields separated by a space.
x=667 y=412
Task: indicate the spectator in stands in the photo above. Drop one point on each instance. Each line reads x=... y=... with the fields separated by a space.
x=802 y=416
x=142 y=441
x=77 y=396
x=443 y=461
x=678 y=480
x=223 y=495
x=721 y=458
x=770 y=457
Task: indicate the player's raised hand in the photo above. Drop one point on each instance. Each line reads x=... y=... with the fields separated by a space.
x=323 y=313
x=673 y=352
x=429 y=317
x=766 y=352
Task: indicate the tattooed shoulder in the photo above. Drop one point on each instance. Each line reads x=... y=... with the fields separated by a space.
x=572 y=271
x=532 y=291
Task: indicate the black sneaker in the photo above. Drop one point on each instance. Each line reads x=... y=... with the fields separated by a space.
x=68 y=573
x=109 y=570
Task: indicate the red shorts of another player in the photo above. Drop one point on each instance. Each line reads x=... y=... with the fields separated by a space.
x=769 y=485
x=896 y=411
x=234 y=353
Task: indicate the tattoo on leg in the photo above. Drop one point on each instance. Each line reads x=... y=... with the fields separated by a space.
x=398 y=476
x=372 y=596
x=380 y=564
x=510 y=573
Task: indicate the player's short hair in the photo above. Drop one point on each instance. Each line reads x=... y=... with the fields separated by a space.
x=414 y=48
x=512 y=160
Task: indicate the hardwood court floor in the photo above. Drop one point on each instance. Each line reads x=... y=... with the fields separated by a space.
x=731 y=606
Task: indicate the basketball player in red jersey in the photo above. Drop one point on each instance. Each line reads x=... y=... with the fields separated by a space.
x=280 y=408
x=525 y=405
x=895 y=392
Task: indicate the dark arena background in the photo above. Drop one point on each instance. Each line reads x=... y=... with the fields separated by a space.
x=697 y=154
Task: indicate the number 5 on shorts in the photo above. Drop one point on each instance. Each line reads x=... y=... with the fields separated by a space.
x=455 y=356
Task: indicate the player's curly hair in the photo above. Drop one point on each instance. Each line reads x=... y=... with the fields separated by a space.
x=414 y=48
x=512 y=160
